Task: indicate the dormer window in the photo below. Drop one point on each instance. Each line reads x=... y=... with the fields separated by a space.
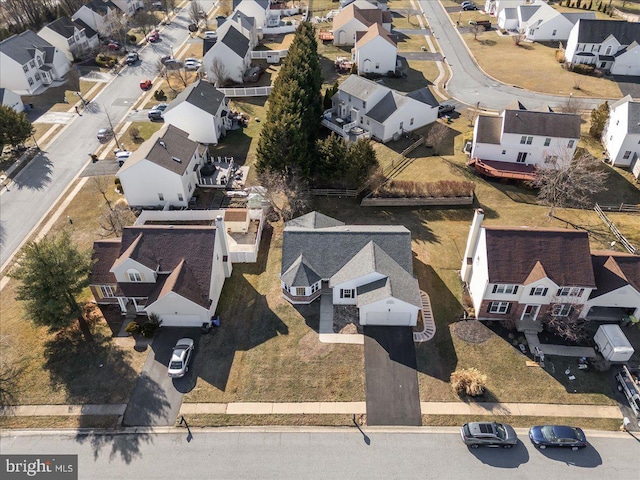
x=134 y=275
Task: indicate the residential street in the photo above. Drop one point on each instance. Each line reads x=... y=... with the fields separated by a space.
x=40 y=184
x=266 y=453
x=469 y=84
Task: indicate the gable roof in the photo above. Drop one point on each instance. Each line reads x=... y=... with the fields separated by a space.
x=264 y=4
x=633 y=113
x=327 y=249
x=184 y=252
x=614 y=270
x=385 y=107
x=201 y=95
x=313 y=220
x=366 y=16
x=63 y=26
x=510 y=13
x=243 y=20
x=574 y=17
x=514 y=253
x=549 y=124
x=236 y=41
x=101 y=6
x=88 y=31
x=360 y=87
x=21 y=48
x=162 y=148
x=527 y=11
x=424 y=95
x=596 y=31
x=489 y=129
x=375 y=31
x=105 y=253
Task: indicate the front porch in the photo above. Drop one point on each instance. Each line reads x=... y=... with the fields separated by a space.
x=497 y=169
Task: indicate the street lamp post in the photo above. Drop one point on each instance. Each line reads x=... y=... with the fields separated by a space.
x=171 y=47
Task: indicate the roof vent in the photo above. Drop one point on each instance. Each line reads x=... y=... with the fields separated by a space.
x=162 y=144
x=176 y=159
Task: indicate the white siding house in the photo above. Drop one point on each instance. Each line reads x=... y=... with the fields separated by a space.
x=495 y=7
x=258 y=9
x=129 y=7
x=98 y=14
x=353 y=19
x=621 y=135
x=11 y=99
x=69 y=37
x=609 y=45
x=370 y=267
x=29 y=64
x=375 y=51
x=384 y=113
x=246 y=25
x=201 y=110
x=163 y=171
x=231 y=54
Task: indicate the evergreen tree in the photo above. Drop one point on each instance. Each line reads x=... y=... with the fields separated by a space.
x=52 y=273
x=332 y=160
x=361 y=160
x=15 y=128
x=599 y=117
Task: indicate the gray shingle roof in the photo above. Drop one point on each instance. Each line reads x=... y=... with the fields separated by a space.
x=425 y=96
x=527 y=11
x=63 y=26
x=408 y=292
x=202 y=95
x=614 y=270
x=384 y=108
x=314 y=220
x=489 y=129
x=88 y=31
x=328 y=249
x=510 y=13
x=300 y=274
x=263 y=3
x=360 y=87
x=526 y=122
x=574 y=17
x=236 y=41
x=243 y=20
x=21 y=48
x=596 y=31
x=100 y=6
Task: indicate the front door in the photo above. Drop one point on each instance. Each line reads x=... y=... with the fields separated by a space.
x=522 y=157
x=530 y=312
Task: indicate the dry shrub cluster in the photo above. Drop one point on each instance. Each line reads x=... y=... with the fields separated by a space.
x=439 y=189
x=468 y=381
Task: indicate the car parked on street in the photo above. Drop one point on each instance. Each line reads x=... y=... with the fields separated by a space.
x=192 y=64
x=173 y=64
x=145 y=84
x=104 y=134
x=132 y=58
x=543 y=436
x=153 y=36
x=466 y=2
x=156 y=112
x=489 y=434
x=180 y=358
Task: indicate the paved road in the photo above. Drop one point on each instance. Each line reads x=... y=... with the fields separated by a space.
x=469 y=84
x=328 y=454
x=38 y=186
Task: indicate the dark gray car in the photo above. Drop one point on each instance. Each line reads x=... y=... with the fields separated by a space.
x=490 y=434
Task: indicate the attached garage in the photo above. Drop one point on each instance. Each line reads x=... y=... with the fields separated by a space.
x=181 y=321
x=400 y=319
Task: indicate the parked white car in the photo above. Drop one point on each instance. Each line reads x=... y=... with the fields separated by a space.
x=182 y=353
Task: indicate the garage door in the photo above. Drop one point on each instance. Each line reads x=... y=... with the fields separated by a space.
x=389 y=318
x=181 y=321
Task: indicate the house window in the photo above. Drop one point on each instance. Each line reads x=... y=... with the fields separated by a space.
x=571 y=142
x=377 y=66
x=499 y=307
x=531 y=31
x=347 y=293
x=107 y=291
x=72 y=41
x=570 y=291
x=301 y=291
x=134 y=276
x=32 y=64
x=593 y=47
x=401 y=125
x=189 y=187
x=30 y=80
x=180 y=197
x=608 y=50
x=553 y=34
x=39 y=61
x=538 y=291
x=510 y=289
x=161 y=197
x=287 y=288
x=561 y=310
x=551 y=159
x=37 y=76
x=411 y=121
x=626 y=155
x=504 y=152
x=25 y=68
x=547 y=142
x=315 y=287
x=526 y=140
x=522 y=157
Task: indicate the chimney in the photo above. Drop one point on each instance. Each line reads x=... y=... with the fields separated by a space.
x=472 y=243
x=221 y=236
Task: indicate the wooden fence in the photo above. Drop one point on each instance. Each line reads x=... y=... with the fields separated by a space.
x=623 y=208
x=333 y=192
x=625 y=243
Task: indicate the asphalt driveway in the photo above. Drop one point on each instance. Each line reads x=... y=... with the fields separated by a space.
x=392 y=382
x=156 y=398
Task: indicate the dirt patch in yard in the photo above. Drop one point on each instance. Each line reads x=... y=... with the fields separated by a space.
x=472 y=331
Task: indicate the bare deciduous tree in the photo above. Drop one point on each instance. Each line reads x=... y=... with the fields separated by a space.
x=569 y=182
x=437 y=135
x=115 y=215
x=225 y=8
x=112 y=124
x=562 y=320
x=146 y=21
x=518 y=37
x=73 y=79
x=194 y=12
x=287 y=192
x=219 y=74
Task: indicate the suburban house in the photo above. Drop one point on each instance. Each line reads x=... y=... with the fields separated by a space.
x=230 y=57
x=70 y=37
x=353 y=19
x=525 y=274
x=621 y=135
x=369 y=266
x=163 y=172
x=174 y=271
x=375 y=51
x=540 y=22
x=201 y=110
x=246 y=25
x=10 y=99
x=258 y=9
x=29 y=64
x=610 y=45
x=512 y=144
x=98 y=15
x=362 y=107
x=129 y=7
x=495 y=7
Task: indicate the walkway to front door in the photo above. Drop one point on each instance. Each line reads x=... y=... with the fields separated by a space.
x=392 y=382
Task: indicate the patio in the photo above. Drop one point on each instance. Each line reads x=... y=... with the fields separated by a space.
x=222 y=172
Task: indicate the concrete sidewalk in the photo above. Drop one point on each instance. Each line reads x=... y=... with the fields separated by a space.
x=335 y=408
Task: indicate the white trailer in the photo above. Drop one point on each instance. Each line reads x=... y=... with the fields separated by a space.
x=613 y=344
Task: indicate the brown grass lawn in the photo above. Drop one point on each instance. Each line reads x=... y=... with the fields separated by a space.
x=57 y=422
x=531 y=65
x=269 y=420
x=146 y=129
x=631 y=6
x=610 y=424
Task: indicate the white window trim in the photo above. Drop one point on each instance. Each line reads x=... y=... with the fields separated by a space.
x=107 y=291
x=499 y=307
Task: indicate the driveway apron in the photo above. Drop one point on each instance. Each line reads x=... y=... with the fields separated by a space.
x=156 y=399
x=392 y=382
